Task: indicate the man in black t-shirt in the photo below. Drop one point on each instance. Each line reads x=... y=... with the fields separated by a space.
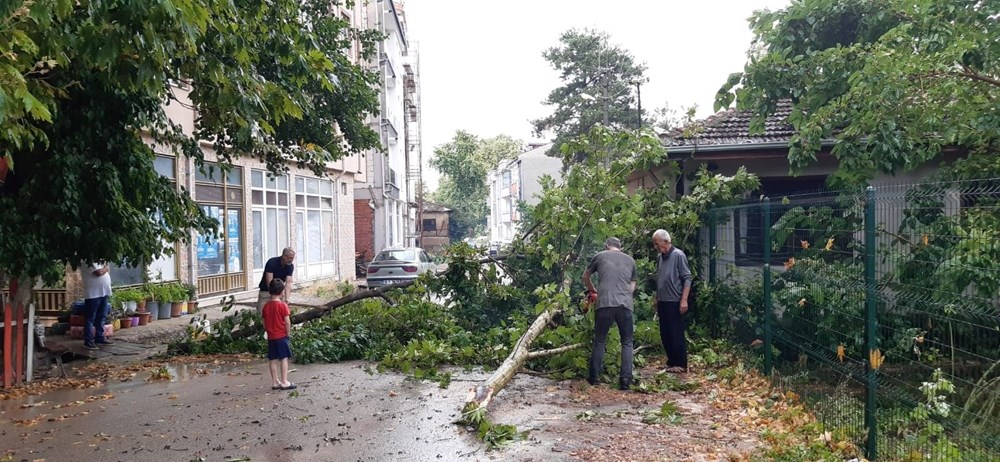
x=276 y=268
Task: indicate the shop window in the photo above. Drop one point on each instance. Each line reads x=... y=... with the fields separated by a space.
x=220 y=196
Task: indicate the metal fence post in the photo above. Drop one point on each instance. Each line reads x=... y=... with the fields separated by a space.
x=766 y=242
x=871 y=326
x=715 y=323
x=712 y=242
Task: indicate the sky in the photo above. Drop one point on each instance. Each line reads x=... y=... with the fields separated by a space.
x=482 y=71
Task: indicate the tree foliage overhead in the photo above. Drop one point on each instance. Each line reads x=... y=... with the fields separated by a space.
x=83 y=84
x=605 y=73
x=893 y=83
x=464 y=163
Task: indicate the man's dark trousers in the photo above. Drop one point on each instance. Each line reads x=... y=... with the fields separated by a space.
x=672 y=333
x=96 y=314
x=626 y=329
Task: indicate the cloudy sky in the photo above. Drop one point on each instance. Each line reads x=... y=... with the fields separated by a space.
x=482 y=69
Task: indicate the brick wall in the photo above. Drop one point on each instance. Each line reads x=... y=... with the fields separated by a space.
x=364 y=228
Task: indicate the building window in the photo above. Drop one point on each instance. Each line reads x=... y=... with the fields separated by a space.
x=269 y=216
x=221 y=198
x=429 y=224
x=506 y=179
x=748 y=222
x=314 y=202
x=163 y=268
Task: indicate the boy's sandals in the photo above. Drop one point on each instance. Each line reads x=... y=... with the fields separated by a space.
x=675 y=370
x=291 y=386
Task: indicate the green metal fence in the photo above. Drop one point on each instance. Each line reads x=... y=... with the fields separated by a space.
x=884 y=310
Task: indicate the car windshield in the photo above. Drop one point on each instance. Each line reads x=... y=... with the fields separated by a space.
x=399 y=255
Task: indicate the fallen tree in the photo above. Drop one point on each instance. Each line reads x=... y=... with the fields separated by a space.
x=329 y=307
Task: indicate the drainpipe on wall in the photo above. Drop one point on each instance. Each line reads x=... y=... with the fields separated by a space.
x=192 y=245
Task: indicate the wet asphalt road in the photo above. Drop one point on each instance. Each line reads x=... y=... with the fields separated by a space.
x=340 y=412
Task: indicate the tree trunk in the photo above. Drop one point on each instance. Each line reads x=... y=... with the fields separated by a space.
x=481 y=396
x=23 y=287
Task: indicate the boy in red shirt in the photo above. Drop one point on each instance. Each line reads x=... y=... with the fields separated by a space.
x=277 y=324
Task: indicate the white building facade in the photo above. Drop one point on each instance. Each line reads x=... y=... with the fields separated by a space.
x=384 y=198
x=513 y=182
x=258 y=214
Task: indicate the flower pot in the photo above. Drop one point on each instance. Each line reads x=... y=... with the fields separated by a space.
x=109 y=330
x=192 y=306
x=143 y=319
x=125 y=323
x=130 y=306
x=116 y=324
x=140 y=305
x=135 y=321
x=154 y=308
x=176 y=309
x=164 y=312
x=77 y=320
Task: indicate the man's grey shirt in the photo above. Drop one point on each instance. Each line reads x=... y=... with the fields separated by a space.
x=672 y=276
x=616 y=272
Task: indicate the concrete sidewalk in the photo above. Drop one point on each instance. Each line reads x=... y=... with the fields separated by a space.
x=141 y=342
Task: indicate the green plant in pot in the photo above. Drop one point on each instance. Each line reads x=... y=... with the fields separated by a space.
x=192 y=297
x=129 y=299
x=162 y=293
x=177 y=295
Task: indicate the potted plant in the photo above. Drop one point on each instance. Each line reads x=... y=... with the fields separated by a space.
x=173 y=293
x=192 y=293
x=162 y=293
x=129 y=299
x=152 y=302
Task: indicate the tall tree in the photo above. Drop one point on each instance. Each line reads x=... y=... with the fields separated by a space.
x=666 y=118
x=893 y=82
x=83 y=85
x=464 y=163
x=599 y=81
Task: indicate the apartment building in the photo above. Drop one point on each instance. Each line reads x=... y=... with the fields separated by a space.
x=515 y=181
x=386 y=203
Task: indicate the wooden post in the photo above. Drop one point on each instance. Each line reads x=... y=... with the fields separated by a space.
x=18 y=344
x=7 y=328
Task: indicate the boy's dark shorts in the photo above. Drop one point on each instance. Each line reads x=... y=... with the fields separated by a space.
x=279 y=349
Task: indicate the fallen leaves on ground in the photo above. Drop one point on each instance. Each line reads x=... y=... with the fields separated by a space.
x=97 y=373
x=738 y=418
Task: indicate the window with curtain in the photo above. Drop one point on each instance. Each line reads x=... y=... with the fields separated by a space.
x=269 y=216
x=316 y=218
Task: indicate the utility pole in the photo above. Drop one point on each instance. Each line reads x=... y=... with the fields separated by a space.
x=638 y=96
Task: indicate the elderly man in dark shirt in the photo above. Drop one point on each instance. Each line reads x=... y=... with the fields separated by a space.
x=673 y=285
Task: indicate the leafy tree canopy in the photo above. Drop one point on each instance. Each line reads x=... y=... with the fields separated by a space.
x=83 y=84
x=464 y=162
x=598 y=85
x=891 y=82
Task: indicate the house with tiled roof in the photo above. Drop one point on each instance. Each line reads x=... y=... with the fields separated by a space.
x=723 y=143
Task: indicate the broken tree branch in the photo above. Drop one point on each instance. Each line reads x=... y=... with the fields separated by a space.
x=554 y=351
x=331 y=306
x=482 y=394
